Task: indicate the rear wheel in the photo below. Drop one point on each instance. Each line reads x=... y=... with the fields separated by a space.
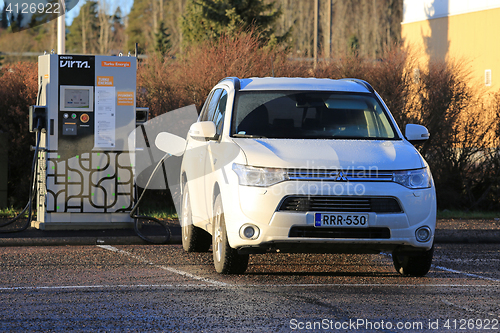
x=413 y=264
x=194 y=239
x=226 y=259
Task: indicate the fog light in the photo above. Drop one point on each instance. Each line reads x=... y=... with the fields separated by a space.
x=249 y=231
x=423 y=234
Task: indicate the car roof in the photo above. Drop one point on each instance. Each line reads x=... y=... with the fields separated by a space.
x=314 y=84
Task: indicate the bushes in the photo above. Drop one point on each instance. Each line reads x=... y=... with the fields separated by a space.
x=463 y=120
x=18 y=89
x=461 y=148
x=169 y=83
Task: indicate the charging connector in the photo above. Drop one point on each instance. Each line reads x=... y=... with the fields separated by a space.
x=37 y=118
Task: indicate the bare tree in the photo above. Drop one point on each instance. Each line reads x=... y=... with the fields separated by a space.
x=375 y=24
x=85 y=22
x=104 y=27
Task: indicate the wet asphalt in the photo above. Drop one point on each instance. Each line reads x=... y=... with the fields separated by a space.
x=158 y=288
x=113 y=281
x=447 y=231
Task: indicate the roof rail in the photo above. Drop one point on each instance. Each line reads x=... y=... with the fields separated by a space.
x=234 y=80
x=362 y=82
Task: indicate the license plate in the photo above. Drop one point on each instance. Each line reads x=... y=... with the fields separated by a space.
x=341 y=220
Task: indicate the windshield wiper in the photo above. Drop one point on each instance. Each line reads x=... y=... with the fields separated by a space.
x=249 y=136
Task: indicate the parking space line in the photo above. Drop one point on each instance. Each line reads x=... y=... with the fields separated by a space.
x=371 y=285
x=446 y=269
x=465 y=261
x=166 y=268
x=466 y=308
x=212 y=285
x=104 y=286
x=223 y=284
x=465 y=273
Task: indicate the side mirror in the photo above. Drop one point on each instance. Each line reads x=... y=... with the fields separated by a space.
x=204 y=130
x=416 y=133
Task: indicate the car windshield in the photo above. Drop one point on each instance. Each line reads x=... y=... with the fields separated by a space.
x=310 y=115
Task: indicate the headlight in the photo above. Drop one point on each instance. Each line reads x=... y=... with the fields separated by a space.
x=414 y=179
x=253 y=176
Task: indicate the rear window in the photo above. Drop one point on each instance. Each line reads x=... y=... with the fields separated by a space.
x=310 y=115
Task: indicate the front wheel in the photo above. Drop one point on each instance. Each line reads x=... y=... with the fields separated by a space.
x=226 y=259
x=413 y=264
x=194 y=239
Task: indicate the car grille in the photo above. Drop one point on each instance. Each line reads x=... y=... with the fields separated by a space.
x=340 y=204
x=313 y=232
x=339 y=175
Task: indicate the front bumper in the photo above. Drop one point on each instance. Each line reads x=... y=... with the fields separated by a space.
x=294 y=231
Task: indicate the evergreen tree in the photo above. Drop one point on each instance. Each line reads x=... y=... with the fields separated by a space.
x=13 y=24
x=353 y=45
x=117 y=17
x=19 y=19
x=84 y=30
x=208 y=19
x=139 y=29
x=4 y=18
x=162 y=40
x=118 y=36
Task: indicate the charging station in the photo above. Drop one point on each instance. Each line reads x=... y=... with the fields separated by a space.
x=86 y=111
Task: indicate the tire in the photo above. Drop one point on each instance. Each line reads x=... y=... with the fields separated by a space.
x=226 y=259
x=194 y=239
x=413 y=264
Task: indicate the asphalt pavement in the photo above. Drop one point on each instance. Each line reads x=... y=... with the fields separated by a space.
x=447 y=231
x=169 y=233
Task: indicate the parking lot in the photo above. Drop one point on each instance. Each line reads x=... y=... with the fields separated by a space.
x=162 y=288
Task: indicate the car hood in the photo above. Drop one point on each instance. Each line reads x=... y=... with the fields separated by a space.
x=330 y=154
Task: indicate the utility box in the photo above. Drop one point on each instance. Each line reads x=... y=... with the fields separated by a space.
x=86 y=161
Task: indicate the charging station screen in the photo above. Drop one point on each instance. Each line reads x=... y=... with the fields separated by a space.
x=76 y=98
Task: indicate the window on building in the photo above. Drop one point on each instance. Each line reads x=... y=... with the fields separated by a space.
x=487 y=77
x=416 y=75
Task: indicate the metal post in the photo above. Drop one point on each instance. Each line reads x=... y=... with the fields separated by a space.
x=316 y=22
x=328 y=30
x=61 y=29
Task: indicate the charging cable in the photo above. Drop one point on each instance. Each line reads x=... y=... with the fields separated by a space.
x=32 y=191
x=143 y=217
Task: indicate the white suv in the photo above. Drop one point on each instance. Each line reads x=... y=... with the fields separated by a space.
x=305 y=165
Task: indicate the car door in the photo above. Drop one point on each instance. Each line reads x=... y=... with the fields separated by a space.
x=215 y=150
x=194 y=166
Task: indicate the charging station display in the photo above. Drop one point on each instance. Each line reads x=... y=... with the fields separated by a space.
x=75 y=98
x=87 y=166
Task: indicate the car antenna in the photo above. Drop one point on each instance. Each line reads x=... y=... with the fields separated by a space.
x=272 y=66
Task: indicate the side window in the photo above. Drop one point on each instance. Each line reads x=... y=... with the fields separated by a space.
x=219 y=114
x=212 y=105
x=204 y=113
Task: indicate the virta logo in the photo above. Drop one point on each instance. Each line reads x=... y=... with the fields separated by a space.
x=74 y=63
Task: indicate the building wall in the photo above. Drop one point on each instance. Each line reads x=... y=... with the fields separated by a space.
x=446 y=29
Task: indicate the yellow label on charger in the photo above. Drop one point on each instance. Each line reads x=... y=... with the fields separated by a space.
x=105 y=81
x=125 y=98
